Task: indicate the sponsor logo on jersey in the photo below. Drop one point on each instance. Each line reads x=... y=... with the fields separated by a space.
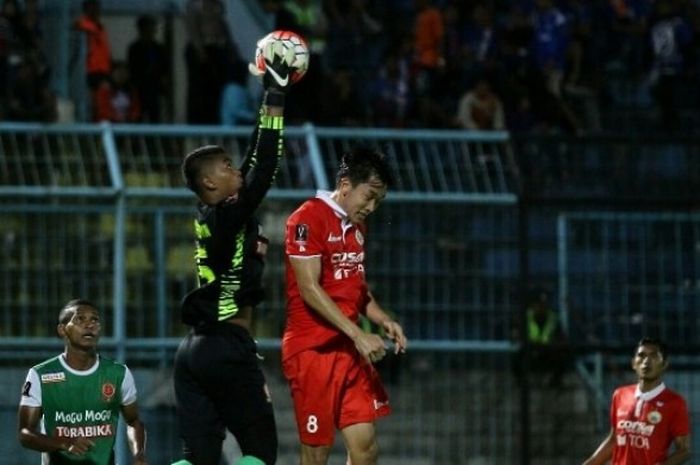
x=332 y=238
x=80 y=417
x=108 y=391
x=27 y=387
x=634 y=434
x=53 y=377
x=360 y=238
x=654 y=417
x=346 y=264
x=89 y=431
x=635 y=427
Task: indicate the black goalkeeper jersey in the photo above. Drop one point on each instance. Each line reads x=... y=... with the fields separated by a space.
x=229 y=242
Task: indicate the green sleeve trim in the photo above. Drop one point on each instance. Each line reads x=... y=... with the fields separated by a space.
x=272 y=122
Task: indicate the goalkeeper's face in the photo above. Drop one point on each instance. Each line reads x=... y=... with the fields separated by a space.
x=362 y=199
x=221 y=177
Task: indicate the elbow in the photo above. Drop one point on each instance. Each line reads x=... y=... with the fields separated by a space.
x=306 y=291
x=24 y=437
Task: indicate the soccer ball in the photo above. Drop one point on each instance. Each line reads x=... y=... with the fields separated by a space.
x=290 y=46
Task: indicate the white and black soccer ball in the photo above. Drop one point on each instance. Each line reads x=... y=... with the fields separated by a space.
x=289 y=46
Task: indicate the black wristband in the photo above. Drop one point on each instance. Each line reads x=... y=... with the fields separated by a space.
x=273 y=98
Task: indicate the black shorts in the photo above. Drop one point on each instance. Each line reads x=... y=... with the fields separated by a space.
x=219 y=385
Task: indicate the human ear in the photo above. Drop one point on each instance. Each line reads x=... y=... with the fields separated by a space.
x=208 y=183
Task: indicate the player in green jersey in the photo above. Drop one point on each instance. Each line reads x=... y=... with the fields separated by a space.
x=70 y=403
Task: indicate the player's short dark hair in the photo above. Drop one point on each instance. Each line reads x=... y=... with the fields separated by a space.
x=68 y=310
x=193 y=163
x=362 y=163
x=652 y=341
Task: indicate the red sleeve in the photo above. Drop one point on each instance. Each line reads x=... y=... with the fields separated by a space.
x=613 y=409
x=305 y=233
x=680 y=425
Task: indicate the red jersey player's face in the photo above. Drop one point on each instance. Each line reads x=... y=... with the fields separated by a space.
x=648 y=363
x=361 y=200
x=83 y=329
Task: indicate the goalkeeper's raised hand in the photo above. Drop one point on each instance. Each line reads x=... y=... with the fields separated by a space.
x=276 y=75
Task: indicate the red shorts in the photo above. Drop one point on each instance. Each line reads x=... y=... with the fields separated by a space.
x=332 y=389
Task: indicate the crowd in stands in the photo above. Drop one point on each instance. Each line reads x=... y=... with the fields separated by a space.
x=532 y=66
x=526 y=65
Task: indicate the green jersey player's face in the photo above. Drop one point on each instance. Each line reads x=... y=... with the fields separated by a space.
x=83 y=329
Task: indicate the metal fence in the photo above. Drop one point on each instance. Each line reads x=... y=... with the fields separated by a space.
x=99 y=212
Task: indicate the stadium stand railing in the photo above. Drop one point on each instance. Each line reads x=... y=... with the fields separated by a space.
x=99 y=211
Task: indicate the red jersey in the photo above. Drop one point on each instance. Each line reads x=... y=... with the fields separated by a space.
x=646 y=424
x=320 y=228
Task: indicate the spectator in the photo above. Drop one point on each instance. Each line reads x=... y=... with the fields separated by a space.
x=310 y=21
x=30 y=98
x=391 y=93
x=341 y=104
x=149 y=69
x=550 y=43
x=669 y=34
x=481 y=109
x=209 y=53
x=546 y=341
x=428 y=46
x=278 y=17
x=116 y=99
x=236 y=106
x=98 y=63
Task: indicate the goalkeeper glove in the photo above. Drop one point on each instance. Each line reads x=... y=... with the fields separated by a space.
x=276 y=75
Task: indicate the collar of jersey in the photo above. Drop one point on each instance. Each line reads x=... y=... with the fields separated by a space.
x=647 y=396
x=89 y=371
x=326 y=197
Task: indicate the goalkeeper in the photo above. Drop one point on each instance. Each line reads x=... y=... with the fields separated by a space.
x=218 y=381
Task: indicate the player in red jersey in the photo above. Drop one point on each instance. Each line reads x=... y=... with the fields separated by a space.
x=647 y=417
x=326 y=357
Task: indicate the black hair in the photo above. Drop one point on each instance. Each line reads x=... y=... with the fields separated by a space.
x=145 y=21
x=69 y=309
x=652 y=341
x=193 y=163
x=362 y=163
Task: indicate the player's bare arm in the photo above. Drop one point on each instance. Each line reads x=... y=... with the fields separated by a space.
x=307 y=272
x=136 y=432
x=392 y=328
x=681 y=454
x=604 y=452
x=30 y=437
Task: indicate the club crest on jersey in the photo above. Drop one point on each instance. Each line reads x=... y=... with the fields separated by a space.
x=301 y=234
x=108 y=391
x=53 y=377
x=654 y=417
x=360 y=238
